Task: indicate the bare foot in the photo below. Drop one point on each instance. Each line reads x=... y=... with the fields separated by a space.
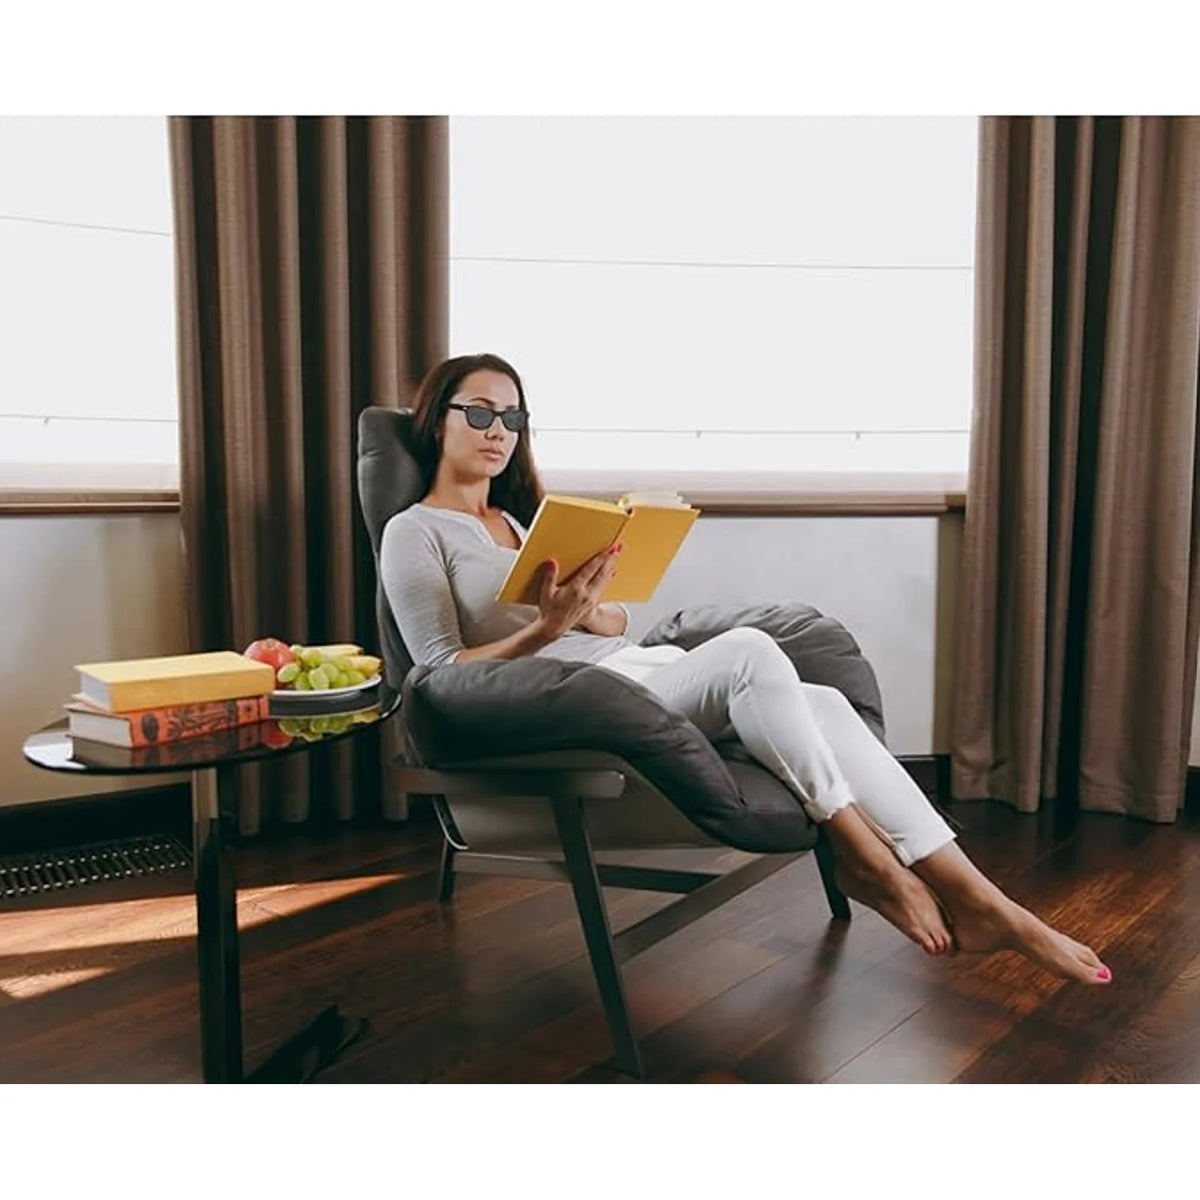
x=899 y=897
x=1002 y=924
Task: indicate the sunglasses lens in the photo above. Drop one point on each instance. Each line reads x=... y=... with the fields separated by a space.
x=479 y=417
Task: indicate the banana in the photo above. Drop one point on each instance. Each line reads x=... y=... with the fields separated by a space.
x=338 y=650
x=368 y=664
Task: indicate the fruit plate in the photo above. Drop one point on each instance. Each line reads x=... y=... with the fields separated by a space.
x=325 y=693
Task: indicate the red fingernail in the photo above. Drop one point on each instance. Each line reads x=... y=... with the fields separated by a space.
x=1104 y=973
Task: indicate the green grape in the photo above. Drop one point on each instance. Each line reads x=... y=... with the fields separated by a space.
x=310 y=658
x=320 y=725
x=289 y=726
x=342 y=664
x=340 y=680
x=288 y=672
x=318 y=680
x=354 y=677
x=302 y=684
x=296 y=649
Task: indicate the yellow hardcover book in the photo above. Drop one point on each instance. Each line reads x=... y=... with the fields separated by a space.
x=180 y=679
x=650 y=539
x=572 y=530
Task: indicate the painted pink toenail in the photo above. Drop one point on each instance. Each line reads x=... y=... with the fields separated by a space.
x=1104 y=973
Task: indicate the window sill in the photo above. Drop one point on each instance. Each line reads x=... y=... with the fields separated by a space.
x=99 y=502
x=92 y=489
x=715 y=494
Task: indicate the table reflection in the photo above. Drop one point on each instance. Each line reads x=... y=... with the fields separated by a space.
x=291 y=727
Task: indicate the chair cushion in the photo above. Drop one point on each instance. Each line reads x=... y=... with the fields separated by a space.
x=477 y=710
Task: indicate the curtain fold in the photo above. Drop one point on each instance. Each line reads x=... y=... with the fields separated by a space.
x=312 y=281
x=1080 y=589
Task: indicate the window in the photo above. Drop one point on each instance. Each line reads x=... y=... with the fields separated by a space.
x=88 y=388
x=732 y=294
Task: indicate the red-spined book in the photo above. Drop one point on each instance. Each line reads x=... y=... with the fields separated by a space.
x=155 y=726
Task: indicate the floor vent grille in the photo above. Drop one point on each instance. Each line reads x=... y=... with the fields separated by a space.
x=48 y=871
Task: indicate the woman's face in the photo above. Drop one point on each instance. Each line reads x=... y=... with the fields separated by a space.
x=479 y=453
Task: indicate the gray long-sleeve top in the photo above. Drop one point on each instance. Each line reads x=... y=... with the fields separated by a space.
x=441 y=571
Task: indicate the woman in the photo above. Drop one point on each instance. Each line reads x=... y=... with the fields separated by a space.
x=442 y=561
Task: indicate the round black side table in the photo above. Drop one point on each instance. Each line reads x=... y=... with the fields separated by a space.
x=213 y=760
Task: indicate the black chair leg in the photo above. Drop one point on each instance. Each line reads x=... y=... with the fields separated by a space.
x=581 y=866
x=838 y=904
x=446 y=874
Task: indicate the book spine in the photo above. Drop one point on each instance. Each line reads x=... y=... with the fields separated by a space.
x=153 y=726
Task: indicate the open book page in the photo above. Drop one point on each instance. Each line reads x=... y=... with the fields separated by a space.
x=658 y=499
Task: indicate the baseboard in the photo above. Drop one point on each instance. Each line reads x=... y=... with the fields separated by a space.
x=930 y=772
x=103 y=817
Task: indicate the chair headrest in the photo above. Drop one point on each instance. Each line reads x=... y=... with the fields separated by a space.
x=389 y=479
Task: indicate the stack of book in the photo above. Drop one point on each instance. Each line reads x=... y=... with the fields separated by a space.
x=151 y=701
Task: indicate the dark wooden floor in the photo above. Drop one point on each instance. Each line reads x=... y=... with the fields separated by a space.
x=100 y=985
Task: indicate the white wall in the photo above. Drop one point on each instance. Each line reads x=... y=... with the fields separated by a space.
x=78 y=589
x=878 y=575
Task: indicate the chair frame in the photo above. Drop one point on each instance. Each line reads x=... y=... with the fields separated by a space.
x=569 y=792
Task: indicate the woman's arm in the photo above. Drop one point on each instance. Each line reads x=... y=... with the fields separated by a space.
x=529 y=640
x=560 y=607
x=413 y=573
x=608 y=620
x=417 y=587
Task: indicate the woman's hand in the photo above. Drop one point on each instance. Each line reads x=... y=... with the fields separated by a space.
x=563 y=606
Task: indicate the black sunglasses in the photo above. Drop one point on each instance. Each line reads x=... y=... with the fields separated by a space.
x=479 y=416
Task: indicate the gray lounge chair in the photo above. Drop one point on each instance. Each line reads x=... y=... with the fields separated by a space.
x=558 y=770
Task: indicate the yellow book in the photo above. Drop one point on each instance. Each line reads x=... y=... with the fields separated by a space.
x=651 y=528
x=181 y=679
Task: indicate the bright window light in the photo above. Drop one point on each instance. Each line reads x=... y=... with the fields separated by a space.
x=88 y=386
x=723 y=294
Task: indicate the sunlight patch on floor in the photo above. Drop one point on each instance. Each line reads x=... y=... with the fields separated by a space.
x=46 y=949
x=27 y=987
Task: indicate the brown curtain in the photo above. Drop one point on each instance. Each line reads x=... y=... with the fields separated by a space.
x=312 y=280
x=1080 y=591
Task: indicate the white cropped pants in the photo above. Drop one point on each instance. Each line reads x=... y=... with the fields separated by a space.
x=741 y=685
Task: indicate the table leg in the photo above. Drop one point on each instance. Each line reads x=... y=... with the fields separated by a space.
x=216 y=932
x=214 y=802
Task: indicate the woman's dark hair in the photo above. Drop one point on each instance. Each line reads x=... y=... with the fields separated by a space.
x=517 y=488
